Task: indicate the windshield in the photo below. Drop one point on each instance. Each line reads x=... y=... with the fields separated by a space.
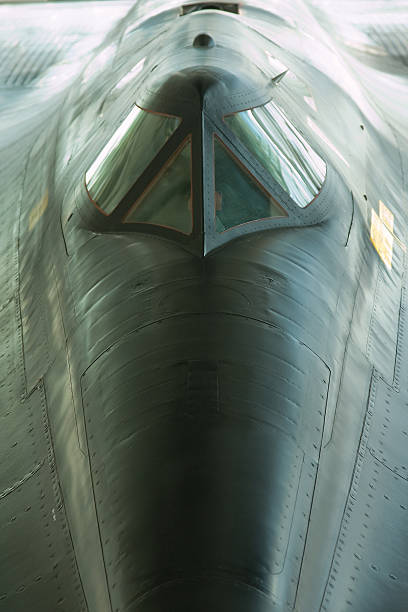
x=167 y=201
x=239 y=197
x=126 y=155
x=281 y=149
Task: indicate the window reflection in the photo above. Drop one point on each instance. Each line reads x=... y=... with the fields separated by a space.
x=126 y=155
x=168 y=199
x=281 y=149
x=239 y=198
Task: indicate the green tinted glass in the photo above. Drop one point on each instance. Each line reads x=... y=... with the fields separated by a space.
x=129 y=151
x=281 y=149
x=239 y=198
x=168 y=199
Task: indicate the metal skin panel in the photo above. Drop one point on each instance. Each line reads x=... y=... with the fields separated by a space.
x=384 y=325
x=37 y=559
x=40 y=568
x=205 y=423
x=202 y=478
x=377 y=504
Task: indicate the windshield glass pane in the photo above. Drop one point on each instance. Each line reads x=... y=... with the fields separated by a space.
x=239 y=198
x=127 y=154
x=168 y=199
x=281 y=149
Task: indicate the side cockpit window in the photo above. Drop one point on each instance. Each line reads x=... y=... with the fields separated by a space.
x=167 y=201
x=126 y=155
x=239 y=197
x=279 y=147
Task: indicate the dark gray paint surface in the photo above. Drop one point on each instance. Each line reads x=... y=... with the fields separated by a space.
x=202 y=424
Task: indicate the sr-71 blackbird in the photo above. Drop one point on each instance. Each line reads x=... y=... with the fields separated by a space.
x=204 y=384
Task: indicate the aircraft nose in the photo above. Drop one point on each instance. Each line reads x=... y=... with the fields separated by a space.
x=205 y=437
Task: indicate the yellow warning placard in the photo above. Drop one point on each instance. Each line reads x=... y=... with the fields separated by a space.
x=382 y=239
x=38 y=211
x=386 y=216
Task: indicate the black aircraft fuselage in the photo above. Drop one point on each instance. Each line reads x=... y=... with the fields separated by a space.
x=206 y=346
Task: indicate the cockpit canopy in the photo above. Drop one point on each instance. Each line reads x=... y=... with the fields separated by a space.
x=257 y=154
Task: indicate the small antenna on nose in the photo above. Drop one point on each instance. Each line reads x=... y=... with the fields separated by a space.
x=279 y=77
